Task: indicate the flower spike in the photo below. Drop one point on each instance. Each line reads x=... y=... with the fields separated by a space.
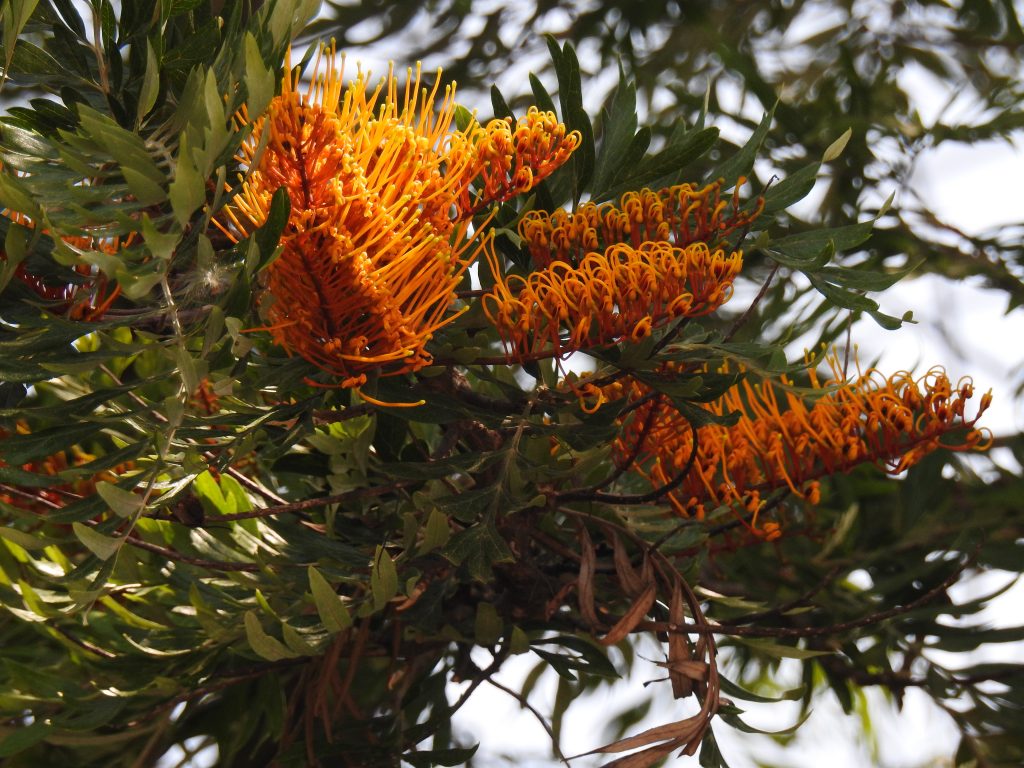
x=622 y=293
x=510 y=159
x=381 y=196
x=783 y=440
x=680 y=215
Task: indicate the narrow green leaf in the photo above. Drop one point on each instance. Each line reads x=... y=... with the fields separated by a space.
x=269 y=648
x=104 y=547
x=127 y=148
x=864 y=279
x=383 y=579
x=835 y=149
x=736 y=722
x=668 y=162
x=333 y=612
x=21 y=739
x=150 y=84
x=804 y=263
x=888 y=322
x=488 y=626
x=24 y=540
x=733 y=690
x=617 y=133
x=778 y=651
x=188 y=190
x=206 y=489
x=742 y=161
x=160 y=244
x=31 y=60
x=15 y=243
x=142 y=187
x=21 y=449
x=841 y=297
x=791 y=189
x=436 y=531
x=499 y=105
x=295 y=641
x=806 y=245
x=123 y=503
x=268 y=236
x=16 y=196
x=259 y=78
x=540 y=95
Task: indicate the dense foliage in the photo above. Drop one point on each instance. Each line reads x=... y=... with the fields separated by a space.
x=294 y=431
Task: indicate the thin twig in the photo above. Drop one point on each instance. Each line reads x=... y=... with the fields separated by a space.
x=540 y=718
x=217 y=565
x=827 y=579
x=143 y=758
x=640 y=498
x=321 y=501
x=82 y=643
x=498 y=659
x=797 y=632
x=15 y=491
x=742 y=319
x=254 y=485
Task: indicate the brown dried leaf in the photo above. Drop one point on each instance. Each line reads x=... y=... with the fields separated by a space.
x=637 y=612
x=696 y=739
x=631 y=583
x=678 y=646
x=555 y=603
x=693 y=669
x=681 y=731
x=647 y=757
x=585 y=582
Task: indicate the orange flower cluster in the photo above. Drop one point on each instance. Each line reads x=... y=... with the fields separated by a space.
x=608 y=273
x=622 y=293
x=86 y=300
x=381 y=190
x=680 y=215
x=789 y=442
x=509 y=159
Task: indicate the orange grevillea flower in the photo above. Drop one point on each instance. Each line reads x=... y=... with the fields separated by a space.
x=625 y=292
x=785 y=440
x=382 y=187
x=511 y=158
x=90 y=296
x=679 y=215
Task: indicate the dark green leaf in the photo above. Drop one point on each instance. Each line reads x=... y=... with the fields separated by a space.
x=479 y=548
x=445 y=757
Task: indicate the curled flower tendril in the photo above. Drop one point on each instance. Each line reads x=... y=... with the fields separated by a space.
x=680 y=215
x=622 y=293
x=785 y=440
x=512 y=158
x=382 y=189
